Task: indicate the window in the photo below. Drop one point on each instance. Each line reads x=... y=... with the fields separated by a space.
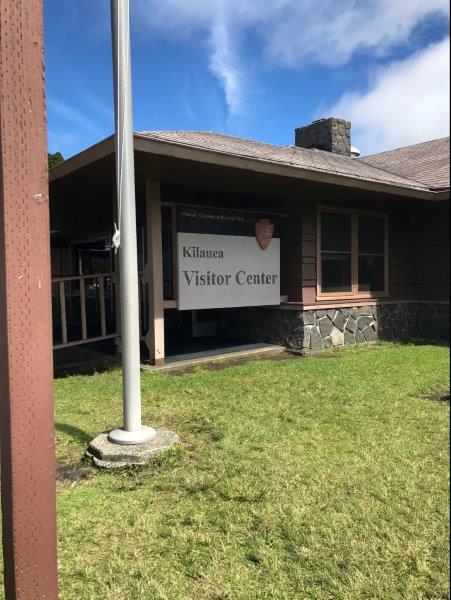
x=352 y=253
x=336 y=252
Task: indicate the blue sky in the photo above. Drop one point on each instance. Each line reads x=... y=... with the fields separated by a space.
x=253 y=68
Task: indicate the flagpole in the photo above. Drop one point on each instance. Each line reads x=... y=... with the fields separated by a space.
x=132 y=432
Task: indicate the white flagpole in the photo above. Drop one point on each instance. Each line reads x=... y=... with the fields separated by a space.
x=133 y=432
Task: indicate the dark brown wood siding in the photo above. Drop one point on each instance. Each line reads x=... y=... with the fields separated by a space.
x=400 y=263
x=291 y=255
x=430 y=240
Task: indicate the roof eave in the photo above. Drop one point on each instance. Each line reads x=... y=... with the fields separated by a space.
x=83 y=158
x=209 y=156
x=441 y=193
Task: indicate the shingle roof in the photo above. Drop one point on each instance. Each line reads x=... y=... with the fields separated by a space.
x=427 y=163
x=312 y=160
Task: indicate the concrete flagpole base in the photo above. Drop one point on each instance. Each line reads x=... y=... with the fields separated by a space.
x=126 y=438
x=109 y=455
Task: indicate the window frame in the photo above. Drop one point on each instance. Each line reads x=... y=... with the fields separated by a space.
x=354 y=293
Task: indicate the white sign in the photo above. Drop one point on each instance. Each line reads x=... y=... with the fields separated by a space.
x=226 y=259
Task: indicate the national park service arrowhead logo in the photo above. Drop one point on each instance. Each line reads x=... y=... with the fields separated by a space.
x=264 y=230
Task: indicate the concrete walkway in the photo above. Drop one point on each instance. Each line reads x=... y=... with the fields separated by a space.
x=213 y=356
x=83 y=359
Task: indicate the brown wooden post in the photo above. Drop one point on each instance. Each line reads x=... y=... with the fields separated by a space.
x=26 y=370
x=154 y=273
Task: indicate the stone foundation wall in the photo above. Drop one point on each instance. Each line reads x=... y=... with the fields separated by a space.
x=314 y=330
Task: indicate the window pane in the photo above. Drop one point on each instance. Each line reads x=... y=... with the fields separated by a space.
x=371 y=235
x=335 y=232
x=371 y=273
x=336 y=273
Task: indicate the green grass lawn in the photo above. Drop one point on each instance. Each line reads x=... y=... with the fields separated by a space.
x=321 y=477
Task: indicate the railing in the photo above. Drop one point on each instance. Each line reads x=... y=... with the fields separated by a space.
x=84 y=309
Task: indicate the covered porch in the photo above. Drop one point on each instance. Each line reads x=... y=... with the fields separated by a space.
x=85 y=278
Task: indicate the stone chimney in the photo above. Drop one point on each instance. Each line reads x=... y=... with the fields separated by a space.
x=333 y=135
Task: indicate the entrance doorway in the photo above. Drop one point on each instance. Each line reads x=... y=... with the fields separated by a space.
x=188 y=332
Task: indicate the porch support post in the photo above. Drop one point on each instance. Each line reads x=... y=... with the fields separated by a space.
x=154 y=273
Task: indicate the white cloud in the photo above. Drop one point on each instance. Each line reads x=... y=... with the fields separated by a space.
x=330 y=32
x=407 y=102
x=224 y=64
x=292 y=33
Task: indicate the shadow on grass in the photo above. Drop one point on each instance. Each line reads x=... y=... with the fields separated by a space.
x=74 y=432
x=439 y=397
x=444 y=342
x=69 y=475
x=101 y=366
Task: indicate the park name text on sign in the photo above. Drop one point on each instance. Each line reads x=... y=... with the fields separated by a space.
x=227 y=259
